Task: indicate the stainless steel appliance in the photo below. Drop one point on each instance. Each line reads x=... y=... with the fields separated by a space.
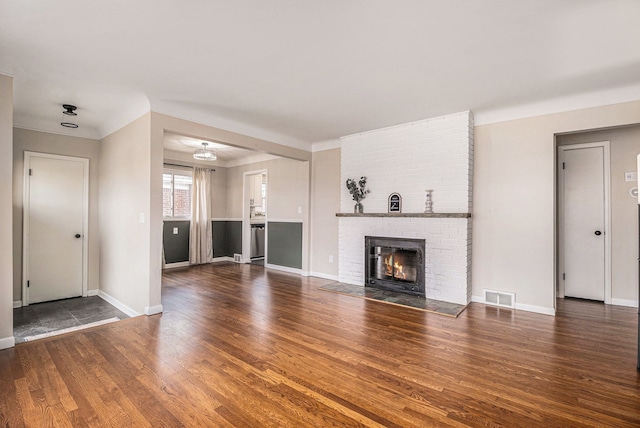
x=257 y=240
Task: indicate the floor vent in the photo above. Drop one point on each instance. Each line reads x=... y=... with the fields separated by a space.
x=500 y=298
x=237 y=258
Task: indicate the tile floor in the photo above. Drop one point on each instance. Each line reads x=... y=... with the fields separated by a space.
x=60 y=314
x=416 y=302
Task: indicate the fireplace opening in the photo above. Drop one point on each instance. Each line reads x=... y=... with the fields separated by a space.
x=395 y=264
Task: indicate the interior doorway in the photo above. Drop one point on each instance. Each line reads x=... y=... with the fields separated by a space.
x=254 y=216
x=55 y=228
x=584 y=225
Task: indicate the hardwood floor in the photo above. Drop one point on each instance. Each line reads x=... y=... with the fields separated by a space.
x=239 y=346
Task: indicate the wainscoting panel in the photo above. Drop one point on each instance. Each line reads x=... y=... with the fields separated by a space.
x=227 y=238
x=284 y=244
x=176 y=247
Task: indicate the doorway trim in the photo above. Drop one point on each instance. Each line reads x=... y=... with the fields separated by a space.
x=25 y=219
x=246 y=212
x=560 y=292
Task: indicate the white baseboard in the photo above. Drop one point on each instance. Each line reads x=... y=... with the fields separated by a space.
x=176 y=265
x=17 y=304
x=222 y=259
x=537 y=309
x=92 y=293
x=7 y=342
x=624 y=302
x=324 y=276
x=152 y=310
x=284 y=268
x=118 y=304
x=521 y=307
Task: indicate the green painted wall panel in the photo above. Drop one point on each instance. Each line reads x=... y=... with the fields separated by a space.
x=176 y=247
x=284 y=246
x=227 y=238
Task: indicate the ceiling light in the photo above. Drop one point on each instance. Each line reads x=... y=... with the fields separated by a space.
x=69 y=110
x=205 y=154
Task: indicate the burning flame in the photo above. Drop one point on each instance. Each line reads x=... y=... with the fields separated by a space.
x=395 y=270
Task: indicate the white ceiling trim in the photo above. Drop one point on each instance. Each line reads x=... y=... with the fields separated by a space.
x=57 y=132
x=558 y=105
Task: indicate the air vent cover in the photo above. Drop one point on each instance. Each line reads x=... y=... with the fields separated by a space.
x=500 y=298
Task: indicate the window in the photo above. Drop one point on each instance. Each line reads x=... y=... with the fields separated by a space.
x=176 y=194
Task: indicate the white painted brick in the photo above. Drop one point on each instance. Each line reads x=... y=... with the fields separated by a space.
x=435 y=154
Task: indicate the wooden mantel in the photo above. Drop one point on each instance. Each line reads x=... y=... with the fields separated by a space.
x=416 y=215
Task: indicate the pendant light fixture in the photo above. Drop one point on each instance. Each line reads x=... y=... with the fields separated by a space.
x=204 y=153
x=69 y=110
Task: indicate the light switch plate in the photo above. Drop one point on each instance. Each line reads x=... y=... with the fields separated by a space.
x=175 y=230
x=631 y=176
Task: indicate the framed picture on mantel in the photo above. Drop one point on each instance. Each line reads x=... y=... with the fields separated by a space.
x=395 y=203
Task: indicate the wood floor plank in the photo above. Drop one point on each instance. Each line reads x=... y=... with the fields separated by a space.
x=238 y=345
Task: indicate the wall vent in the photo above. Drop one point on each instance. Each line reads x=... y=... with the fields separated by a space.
x=237 y=258
x=500 y=298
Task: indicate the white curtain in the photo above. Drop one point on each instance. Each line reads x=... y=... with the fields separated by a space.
x=200 y=241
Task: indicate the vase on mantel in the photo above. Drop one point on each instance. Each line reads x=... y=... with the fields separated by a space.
x=428 y=204
x=357 y=208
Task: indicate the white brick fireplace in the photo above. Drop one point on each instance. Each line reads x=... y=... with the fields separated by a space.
x=432 y=154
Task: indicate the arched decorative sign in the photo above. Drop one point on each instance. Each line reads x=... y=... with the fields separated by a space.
x=395 y=203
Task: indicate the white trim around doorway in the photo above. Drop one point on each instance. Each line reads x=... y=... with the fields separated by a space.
x=606 y=147
x=25 y=220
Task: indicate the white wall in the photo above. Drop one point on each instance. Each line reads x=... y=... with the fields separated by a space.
x=125 y=207
x=514 y=201
x=44 y=142
x=287 y=189
x=6 y=213
x=219 y=194
x=325 y=203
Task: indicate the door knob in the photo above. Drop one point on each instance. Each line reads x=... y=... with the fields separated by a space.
x=598 y=233
x=78 y=236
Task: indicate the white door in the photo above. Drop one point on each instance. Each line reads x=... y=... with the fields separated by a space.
x=56 y=201
x=583 y=222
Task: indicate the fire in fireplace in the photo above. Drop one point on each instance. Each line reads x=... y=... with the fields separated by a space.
x=395 y=264
x=400 y=264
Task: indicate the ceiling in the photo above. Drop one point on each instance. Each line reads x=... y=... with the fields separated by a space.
x=302 y=72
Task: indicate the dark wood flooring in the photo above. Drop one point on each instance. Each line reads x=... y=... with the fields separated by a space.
x=240 y=346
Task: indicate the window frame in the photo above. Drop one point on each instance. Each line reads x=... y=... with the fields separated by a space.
x=187 y=172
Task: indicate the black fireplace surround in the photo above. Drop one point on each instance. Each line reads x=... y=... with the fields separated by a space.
x=395 y=264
